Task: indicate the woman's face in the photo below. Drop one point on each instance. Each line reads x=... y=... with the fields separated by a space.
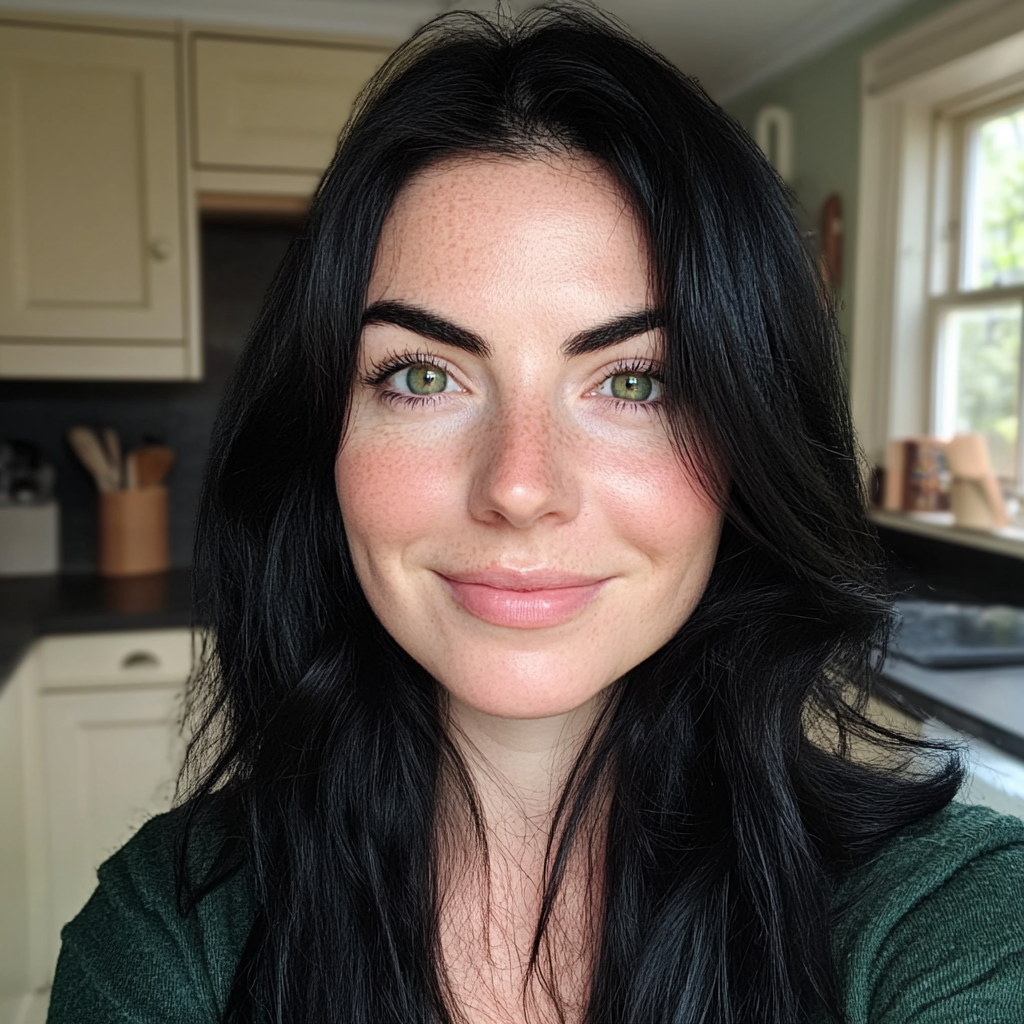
x=518 y=516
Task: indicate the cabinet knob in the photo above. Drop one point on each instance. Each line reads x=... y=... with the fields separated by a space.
x=160 y=249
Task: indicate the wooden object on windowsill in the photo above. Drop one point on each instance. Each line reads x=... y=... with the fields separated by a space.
x=975 y=495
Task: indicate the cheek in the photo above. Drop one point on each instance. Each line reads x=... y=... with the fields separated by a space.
x=657 y=504
x=390 y=491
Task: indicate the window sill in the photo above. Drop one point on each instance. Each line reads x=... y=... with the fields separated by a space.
x=939 y=526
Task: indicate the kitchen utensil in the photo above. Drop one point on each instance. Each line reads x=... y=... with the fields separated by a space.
x=87 y=447
x=131 y=471
x=153 y=463
x=112 y=443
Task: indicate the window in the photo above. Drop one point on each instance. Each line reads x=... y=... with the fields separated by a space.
x=978 y=282
x=938 y=282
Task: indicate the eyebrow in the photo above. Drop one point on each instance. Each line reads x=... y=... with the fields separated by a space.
x=621 y=328
x=437 y=328
x=426 y=325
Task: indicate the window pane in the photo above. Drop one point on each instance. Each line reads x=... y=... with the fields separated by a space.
x=994 y=232
x=979 y=385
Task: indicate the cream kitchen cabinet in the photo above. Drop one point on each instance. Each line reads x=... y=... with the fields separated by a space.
x=94 y=226
x=90 y=747
x=272 y=105
x=114 y=136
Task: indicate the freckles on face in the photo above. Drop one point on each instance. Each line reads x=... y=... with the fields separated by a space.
x=517 y=513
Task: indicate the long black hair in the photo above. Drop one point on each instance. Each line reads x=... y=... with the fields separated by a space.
x=728 y=827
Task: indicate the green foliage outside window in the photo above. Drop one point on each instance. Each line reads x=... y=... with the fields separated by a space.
x=986 y=357
x=997 y=204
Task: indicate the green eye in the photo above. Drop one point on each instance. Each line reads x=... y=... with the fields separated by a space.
x=633 y=387
x=425 y=379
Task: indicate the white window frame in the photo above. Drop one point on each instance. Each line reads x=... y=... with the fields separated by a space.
x=950 y=188
x=966 y=56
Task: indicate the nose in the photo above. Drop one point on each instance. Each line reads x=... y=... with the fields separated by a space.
x=524 y=471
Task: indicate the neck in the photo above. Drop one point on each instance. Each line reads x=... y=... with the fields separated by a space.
x=488 y=921
x=520 y=766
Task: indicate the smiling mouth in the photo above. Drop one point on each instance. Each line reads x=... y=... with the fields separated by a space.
x=533 y=600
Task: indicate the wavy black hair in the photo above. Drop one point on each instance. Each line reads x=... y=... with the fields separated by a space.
x=728 y=827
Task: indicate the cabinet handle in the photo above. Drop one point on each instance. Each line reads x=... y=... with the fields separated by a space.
x=140 y=659
x=160 y=249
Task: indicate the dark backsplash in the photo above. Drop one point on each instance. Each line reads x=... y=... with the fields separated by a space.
x=239 y=261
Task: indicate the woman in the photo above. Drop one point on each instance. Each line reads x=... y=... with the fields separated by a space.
x=544 y=603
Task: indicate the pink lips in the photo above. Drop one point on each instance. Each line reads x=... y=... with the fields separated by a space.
x=523 y=600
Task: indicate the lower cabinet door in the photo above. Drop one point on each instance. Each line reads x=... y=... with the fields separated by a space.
x=111 y=761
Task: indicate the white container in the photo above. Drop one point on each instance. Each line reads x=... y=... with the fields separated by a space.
x=29 y=539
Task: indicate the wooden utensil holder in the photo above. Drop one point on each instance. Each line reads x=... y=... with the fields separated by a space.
x=133 y=532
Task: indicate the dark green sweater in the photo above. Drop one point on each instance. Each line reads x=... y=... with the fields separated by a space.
x=932 y=933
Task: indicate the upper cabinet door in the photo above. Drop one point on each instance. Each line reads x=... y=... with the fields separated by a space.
x=91 y=226
x=275 y=106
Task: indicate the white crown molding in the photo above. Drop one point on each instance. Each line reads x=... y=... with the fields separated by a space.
x=393 y=18
x=955 y=32
x=798 y=43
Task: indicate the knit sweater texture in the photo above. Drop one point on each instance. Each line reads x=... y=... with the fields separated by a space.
x=930 y=931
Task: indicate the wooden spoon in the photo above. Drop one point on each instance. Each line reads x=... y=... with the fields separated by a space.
x=152 y=463
x=112 y=442
x=90 y=451
x=131 y=471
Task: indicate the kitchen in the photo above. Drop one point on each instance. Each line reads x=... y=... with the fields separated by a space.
x=111 y=653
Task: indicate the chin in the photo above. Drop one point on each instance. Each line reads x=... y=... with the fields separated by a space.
x=543 y=691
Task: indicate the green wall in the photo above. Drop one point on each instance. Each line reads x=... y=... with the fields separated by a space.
x=824 y=96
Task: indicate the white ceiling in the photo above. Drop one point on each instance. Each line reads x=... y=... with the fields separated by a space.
x=730 y=45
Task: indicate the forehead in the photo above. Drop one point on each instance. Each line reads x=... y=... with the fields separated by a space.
x=552 y=225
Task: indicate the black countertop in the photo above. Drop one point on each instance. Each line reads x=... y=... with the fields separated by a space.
x=35 y=606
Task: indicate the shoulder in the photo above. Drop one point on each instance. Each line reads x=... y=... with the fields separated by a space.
x=132 y=955
x=932 y=928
